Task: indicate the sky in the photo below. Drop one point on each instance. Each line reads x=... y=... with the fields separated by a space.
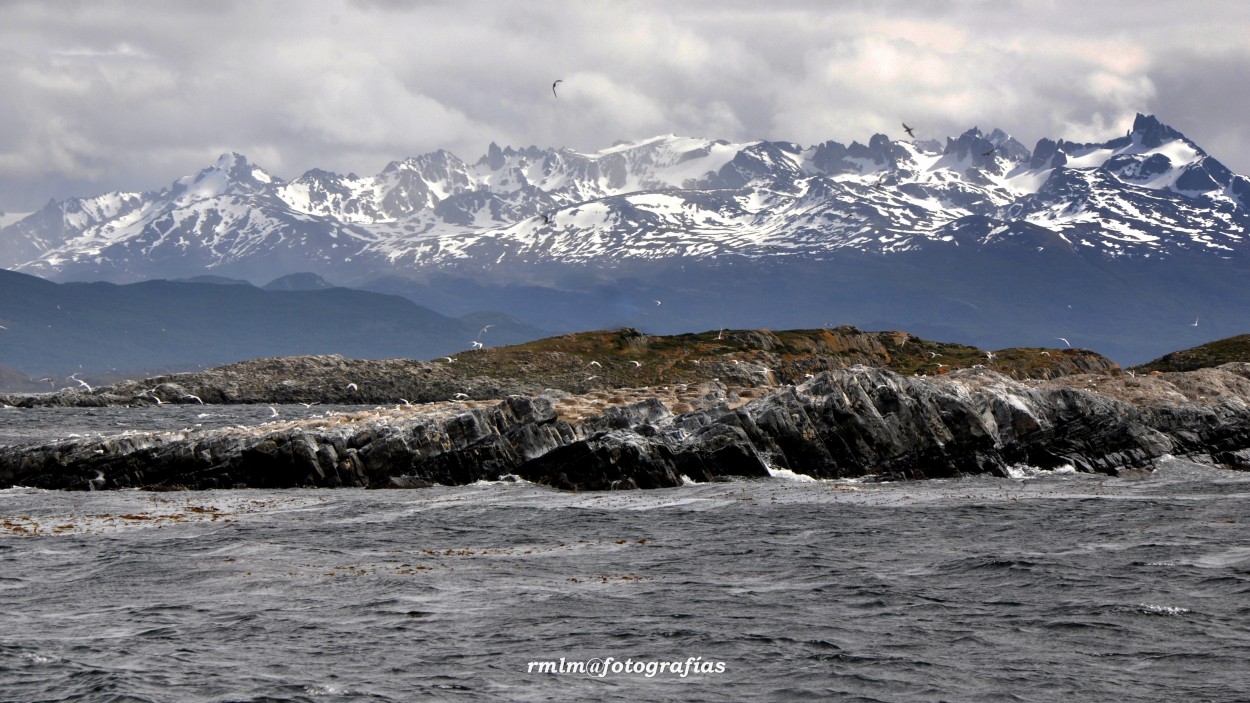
x=99 y=95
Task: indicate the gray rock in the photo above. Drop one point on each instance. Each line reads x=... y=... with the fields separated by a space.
x=844 y=423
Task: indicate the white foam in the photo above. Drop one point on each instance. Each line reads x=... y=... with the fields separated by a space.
x=789 y=475
x=1161 y=609
x=1022 y=471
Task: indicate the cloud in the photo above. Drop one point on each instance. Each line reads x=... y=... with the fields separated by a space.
x=132 y=95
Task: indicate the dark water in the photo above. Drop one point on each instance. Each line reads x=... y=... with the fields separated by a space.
x=1041 y=588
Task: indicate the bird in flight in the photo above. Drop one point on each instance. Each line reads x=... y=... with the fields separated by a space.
x=1195 y=322
x=553 y=88
x=908 y=130
x=990 y=152
x=1061 y=339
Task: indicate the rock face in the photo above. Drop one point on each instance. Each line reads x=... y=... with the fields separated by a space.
x=846 y=423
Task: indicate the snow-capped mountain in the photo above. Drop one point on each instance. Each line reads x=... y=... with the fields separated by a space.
x=1149 y=193
x=1133 y=246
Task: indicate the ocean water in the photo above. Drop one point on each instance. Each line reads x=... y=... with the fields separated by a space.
x=1041 y=587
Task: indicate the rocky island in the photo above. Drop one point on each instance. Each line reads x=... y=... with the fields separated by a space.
x=619 y=409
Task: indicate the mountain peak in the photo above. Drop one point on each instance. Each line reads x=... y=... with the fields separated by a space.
x=1153 y=132
x=230 y=173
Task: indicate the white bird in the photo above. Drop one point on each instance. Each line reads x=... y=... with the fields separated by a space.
x=308 y=405
x=595 y=363
x=483 y=330
x=933 y=354
x=273 y=410
x=1195 y=322
x=1045 y=353
x=476 y=344
x=658 y=303
x=637 y=364
x=591 y=378
x=461 y=396
x=1061 y=339
x=353 y=387
x=196 y=398
x=989 y=355
x=74 y=377
x=449 y=359
x=405 y=402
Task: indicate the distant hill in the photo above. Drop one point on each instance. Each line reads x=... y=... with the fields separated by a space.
x=299 y=281
x=1221 y=351
x=57 y=329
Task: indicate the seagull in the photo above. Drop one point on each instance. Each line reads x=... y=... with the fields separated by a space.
x=476 y=344
x=989 y=355
x=1195 y=322
x=461 y=396
x=908 y=130
x=405 y=402
x=1061 y=339
x=553 y=88
x=74 y=377
x=595 y=363
x=196 y=398
x=449 y=359
x=658 y=303
x=591 y=378
x=1045 y=353
x=637 y=364
x=353 y=387
x=273 y=410
x=933 y=354
x=308 y=405
x=483 y=330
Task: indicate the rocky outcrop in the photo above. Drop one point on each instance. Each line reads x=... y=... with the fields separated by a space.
x=574 y=363
x=846 y=423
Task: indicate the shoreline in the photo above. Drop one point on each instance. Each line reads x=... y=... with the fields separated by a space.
x=847 y=423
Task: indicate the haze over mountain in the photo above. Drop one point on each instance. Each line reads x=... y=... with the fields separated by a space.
x=107 y=331
x=1118 y=246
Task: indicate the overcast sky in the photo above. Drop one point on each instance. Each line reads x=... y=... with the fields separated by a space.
x=98 y=96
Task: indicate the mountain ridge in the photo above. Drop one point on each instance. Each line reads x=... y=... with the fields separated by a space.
x=1143 y=194
x=1118 y=244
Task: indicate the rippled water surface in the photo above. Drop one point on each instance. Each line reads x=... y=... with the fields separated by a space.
x=1039 y=588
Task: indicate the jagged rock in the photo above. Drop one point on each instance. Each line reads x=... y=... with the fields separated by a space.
x=849 y=422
